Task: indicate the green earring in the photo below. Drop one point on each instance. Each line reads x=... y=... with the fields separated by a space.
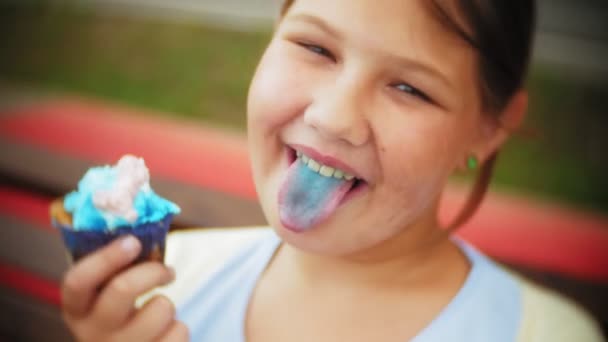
x=472 y=162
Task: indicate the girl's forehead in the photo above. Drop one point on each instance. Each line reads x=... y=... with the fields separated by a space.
x=406 y=28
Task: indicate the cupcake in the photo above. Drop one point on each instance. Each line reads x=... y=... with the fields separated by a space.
x=112 y=201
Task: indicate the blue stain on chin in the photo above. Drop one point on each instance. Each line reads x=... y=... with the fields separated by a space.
x=150 y=207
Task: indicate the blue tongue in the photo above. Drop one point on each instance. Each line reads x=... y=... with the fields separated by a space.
x=306 y=198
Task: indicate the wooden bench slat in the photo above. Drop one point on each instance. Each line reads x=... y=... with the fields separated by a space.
x=24 y=318
x=26 y=246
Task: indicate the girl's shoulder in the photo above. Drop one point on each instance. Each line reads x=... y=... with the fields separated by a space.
x=549 y=316
x=540 y=314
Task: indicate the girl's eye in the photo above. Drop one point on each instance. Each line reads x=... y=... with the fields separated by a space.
x=406 y=88
x=319 y=50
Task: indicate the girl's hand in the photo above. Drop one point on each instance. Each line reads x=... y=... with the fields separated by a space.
x=99 y=297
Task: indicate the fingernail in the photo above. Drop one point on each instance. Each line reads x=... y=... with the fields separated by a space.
x=129 y=244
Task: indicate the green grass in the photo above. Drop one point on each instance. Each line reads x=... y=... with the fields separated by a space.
x=567 y=159
x=181 y=68
x=192 y=71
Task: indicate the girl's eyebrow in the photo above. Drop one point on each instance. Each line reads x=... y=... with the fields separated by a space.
x=320 y=23
x=394 y=58
x=422 y=68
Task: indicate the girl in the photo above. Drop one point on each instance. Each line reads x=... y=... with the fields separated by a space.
x=357 y=115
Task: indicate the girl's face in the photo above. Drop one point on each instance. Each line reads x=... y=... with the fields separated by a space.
x=375 y=89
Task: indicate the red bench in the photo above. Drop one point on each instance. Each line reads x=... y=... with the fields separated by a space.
x=47 y=146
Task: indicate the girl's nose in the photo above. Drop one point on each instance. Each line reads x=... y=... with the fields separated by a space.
x=338 y=112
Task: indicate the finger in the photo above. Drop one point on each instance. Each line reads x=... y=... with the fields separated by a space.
x=82 y=281
x=177 y=332
x=116 y=301
x=151 y=321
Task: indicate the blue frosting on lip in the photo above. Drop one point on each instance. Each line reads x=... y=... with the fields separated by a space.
x=150 y=207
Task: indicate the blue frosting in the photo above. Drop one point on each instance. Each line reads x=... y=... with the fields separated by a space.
x=150 y=207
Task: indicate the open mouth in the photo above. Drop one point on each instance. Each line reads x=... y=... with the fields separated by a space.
x=294 y=155
x=314 y=188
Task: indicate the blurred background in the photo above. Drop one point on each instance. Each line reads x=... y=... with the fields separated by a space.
x=194 y=59
x=176 y=73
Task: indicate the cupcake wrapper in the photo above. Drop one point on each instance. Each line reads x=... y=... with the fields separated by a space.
x=151 y=235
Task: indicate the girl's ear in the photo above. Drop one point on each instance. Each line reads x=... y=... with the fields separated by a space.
x=495 y=132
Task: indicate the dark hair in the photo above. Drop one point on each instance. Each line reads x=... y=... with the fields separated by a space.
x=502 y=34
x=501 y=31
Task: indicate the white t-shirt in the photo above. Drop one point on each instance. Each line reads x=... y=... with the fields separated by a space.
x=217 y=271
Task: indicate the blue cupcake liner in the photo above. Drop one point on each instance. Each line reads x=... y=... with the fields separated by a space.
x=152 y=236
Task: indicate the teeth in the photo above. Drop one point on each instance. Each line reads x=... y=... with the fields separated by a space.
x=326 y=171
x=313 y=165
x=323 y=170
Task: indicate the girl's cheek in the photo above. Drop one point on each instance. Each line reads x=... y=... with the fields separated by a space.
x=415 y=158
x=277 y=92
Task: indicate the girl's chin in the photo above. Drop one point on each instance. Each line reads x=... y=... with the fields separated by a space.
x=325 y=240
x=311 y=241
x=330 y=237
